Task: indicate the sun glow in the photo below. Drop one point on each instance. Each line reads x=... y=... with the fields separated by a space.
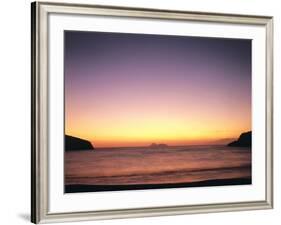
x=129 y=130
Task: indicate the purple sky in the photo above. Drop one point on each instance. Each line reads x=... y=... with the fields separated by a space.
x=132 y=89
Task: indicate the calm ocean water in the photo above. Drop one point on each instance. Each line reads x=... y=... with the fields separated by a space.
x=143 y=165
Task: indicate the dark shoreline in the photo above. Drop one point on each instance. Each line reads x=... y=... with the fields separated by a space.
x=76 y=188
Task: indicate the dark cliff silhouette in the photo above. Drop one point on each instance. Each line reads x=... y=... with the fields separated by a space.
x=244 y=140
x=73 y=143
x=153 y=145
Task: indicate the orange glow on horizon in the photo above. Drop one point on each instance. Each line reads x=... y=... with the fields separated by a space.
x=132 y=130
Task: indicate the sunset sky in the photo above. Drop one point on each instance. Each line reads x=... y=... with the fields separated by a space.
x=136 y=89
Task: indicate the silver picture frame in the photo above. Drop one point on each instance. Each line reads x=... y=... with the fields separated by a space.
x=39 y=153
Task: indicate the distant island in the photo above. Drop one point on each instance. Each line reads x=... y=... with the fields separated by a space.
x=244 y=140
x=75 y=143
x=155 y=146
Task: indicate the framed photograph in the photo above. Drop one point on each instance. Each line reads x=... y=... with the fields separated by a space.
x=147 y=112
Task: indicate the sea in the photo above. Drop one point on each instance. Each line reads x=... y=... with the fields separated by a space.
x=148 y=166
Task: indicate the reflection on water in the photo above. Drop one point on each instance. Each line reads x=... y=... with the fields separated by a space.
x=120 y=166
